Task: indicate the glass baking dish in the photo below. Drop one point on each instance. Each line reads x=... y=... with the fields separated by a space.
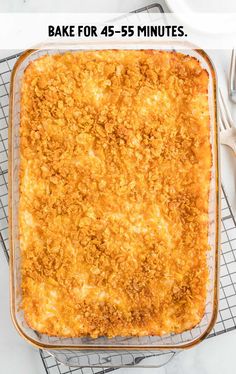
x=149 y=351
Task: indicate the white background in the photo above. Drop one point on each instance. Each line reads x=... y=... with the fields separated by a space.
x=214 y=356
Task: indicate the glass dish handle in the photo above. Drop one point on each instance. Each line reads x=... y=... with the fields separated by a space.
x=113 y=359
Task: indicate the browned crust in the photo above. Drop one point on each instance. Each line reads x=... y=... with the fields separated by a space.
x=114 y=183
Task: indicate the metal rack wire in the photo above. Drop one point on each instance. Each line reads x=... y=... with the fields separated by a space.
x=227 y=309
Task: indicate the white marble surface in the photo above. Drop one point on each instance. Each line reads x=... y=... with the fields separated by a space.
x=214 y=356
x=81 y=6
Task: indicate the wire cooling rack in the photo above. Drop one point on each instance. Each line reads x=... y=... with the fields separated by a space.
x=227 y=309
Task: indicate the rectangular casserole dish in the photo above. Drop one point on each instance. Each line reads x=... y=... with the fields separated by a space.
x=167 y=342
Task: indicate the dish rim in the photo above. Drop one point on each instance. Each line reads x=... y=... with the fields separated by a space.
x=215 y=145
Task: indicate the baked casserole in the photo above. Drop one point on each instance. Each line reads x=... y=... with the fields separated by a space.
x=115 y=161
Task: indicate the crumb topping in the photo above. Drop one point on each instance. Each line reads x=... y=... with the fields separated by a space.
x=114 y=182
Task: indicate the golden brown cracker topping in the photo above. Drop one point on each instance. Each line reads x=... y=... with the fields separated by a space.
x=114 y=184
